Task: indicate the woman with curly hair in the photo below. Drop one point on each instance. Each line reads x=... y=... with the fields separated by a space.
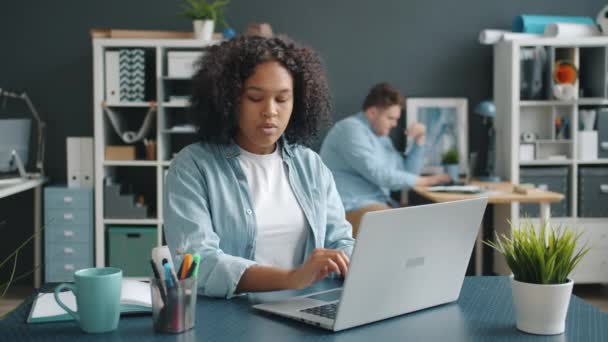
x=259 y=207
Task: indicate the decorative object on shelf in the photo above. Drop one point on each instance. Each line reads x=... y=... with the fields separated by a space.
x=487 y=110
x=527 y=152
x=182 y=64
x=446 y=128
x=450 y=162
x=118 y=205
x=587 y=137
x=562 y=127
x=529 y=137
x=205 y=16
x=120 y=152
x=537 y=23
x=602 y=20
x=541 y=259
x=490 y=36
x=565 y=75
x=150 y=148
x=571 y=30
x=119 y=124
x=41 y=126
x=533 y=70
x=259 y=29
x=229 y=33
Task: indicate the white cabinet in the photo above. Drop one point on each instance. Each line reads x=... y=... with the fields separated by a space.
x=536 y=130
x=138 y=170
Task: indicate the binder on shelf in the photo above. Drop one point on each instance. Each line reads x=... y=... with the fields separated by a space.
x=80 y=162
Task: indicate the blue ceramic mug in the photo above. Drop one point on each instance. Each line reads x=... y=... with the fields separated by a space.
x=97 y=292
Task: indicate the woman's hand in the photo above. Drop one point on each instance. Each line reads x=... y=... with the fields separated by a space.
x=319 y=265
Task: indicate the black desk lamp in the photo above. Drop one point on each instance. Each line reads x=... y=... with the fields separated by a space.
x=487 y=110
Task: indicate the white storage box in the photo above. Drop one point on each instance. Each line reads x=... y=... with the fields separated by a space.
x=182 y=63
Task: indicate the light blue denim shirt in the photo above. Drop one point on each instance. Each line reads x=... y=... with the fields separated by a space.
x=208 y=210
x=366 y=166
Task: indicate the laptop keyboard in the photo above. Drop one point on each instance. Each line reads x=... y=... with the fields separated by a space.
x=326 y=310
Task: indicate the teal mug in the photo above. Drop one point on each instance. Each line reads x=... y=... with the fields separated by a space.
x=97 y=292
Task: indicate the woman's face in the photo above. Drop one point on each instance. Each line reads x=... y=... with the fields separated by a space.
x=265 y=108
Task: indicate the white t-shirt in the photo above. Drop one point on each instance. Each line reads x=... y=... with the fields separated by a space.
x=281 y=225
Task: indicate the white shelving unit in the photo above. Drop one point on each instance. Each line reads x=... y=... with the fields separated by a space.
x=515 y=115
x=163 y=134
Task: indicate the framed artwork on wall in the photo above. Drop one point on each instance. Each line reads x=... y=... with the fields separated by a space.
x=446 y=128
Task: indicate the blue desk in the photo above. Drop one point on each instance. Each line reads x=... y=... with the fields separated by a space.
x=484 y=312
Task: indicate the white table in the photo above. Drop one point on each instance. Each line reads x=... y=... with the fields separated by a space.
x=21 y=186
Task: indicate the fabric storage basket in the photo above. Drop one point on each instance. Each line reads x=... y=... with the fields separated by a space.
x=593 y=192
x=129 y=249
x=546 y=178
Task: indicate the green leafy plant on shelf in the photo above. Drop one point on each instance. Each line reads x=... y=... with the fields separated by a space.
x=544 y=257
x=450 y=157
x=5 y=284
x=205 y=10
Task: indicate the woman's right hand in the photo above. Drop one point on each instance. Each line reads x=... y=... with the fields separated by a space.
x=319 y=265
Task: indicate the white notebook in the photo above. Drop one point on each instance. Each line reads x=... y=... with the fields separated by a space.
x=135 y=298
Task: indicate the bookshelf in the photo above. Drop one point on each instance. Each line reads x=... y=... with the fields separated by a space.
x=517 y=114
x=143 y=175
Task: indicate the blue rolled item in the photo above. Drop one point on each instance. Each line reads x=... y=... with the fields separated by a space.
x=536 y=23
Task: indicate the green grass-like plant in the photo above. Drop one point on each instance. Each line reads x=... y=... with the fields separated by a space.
x=546 y=257
x=450 y=157
x=205 y=10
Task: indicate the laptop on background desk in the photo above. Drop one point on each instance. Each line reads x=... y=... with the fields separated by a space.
x=404 y=260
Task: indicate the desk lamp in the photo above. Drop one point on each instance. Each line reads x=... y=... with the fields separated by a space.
x=39 y=123
x=487 y=110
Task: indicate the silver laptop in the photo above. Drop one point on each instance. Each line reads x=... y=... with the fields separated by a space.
x=405 y=259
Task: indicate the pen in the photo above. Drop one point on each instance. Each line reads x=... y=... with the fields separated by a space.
x=172 y=274
x=185 y=267
x=194 y=266
x=161 y=290
x=168 y=276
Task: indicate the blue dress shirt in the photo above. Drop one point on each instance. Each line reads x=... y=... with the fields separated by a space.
x=208 y=210
x=366 y=166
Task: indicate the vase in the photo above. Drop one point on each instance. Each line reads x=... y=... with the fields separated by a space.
x=541 y=308
x=203 y=29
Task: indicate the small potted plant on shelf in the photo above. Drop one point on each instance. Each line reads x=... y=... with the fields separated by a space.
x=205 y=15
x=540 y=263
x=450 y=162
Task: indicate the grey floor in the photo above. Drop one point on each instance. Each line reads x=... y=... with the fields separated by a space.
x=596 y=295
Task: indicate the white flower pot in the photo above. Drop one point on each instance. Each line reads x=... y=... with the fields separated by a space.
x=541 y=309
x=203 y=29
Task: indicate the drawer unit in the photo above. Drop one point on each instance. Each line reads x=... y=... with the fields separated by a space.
x=129 y=249
x=68 y=232
x=67 y=198
x=547 y=178
x=593 y=192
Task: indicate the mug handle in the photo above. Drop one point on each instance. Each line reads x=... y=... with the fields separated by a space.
x=68 y=310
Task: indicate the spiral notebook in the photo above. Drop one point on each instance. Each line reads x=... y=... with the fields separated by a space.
x=135 y=299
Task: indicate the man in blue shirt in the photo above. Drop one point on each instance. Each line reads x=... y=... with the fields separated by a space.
x=365 y=163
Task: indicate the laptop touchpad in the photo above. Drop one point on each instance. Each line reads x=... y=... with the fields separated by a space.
x=328 y=296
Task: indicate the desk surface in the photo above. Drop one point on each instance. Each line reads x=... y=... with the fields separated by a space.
x=19 y=186
x=484 y=312
x=497 y=193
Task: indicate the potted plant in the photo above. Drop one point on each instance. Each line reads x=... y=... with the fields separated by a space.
x=540 y=263
x=450 y=162
x=205 y=15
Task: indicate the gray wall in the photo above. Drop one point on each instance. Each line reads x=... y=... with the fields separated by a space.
x=426 y=48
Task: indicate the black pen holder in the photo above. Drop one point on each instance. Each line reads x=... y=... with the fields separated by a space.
x=173 y=307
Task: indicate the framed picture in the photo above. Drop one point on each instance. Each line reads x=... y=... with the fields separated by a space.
x=446 y=128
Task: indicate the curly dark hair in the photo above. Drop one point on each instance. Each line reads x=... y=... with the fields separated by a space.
x=223 y=70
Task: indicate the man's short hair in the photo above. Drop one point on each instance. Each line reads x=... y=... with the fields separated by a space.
x=383 y=95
